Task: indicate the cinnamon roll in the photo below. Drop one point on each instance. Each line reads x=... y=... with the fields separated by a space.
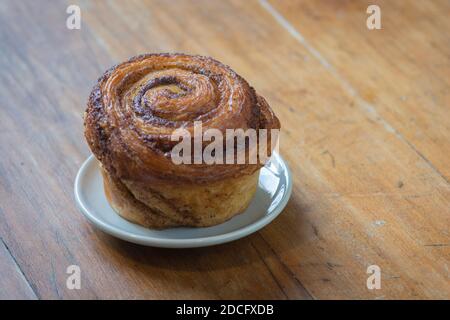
x=130 y=120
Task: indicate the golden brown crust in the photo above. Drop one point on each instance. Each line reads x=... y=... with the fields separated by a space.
x=123 y=202
x=132 y=112
x=136 y=106
x=167 y=205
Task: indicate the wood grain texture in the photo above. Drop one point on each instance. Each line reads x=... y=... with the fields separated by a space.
x=367 y=189
x=401 y=72
x=13 y=284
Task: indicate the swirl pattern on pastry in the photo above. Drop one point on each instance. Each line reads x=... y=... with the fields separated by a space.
x=135 y=107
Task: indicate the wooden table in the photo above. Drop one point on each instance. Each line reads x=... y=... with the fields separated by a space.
x=366 y=132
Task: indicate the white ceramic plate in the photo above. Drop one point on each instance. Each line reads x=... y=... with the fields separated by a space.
x=274 y=190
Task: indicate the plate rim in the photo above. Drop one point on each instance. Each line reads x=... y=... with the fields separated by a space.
x=186 y=242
